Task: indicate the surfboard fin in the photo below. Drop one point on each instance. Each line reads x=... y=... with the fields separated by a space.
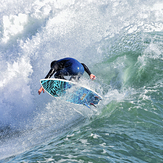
x=98 y=97
x=93 y=104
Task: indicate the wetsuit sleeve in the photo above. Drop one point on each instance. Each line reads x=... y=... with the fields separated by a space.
x=50 y=73
x=52 y=70
x=86 y=69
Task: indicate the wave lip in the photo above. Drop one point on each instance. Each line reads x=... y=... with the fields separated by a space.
x=121 y=42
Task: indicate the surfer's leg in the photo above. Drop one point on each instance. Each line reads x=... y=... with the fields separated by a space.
x=75 y=78
x=59 y=77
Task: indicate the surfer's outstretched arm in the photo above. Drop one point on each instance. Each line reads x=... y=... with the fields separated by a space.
x=51 y=72
x=53 y=69
x=92 y=76
x=40 y=90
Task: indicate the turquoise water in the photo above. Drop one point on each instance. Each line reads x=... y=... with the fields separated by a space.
x=121 y=42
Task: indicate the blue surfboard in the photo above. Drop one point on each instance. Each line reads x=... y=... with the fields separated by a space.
x=71 y=92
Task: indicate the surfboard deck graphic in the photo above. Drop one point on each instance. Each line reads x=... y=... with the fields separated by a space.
x=71 y=92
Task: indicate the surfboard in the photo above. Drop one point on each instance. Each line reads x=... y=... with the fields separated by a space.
x=71 y=92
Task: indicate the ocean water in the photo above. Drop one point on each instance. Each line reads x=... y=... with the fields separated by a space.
x=121 y=41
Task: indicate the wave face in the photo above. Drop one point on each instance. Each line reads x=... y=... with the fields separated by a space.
x=121 y=42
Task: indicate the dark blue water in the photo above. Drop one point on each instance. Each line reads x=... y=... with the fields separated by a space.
x=121 y=42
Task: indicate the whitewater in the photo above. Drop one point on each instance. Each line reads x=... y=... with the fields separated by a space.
x=121 y=41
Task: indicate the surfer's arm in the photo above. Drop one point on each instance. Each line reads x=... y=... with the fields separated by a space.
x=40 y=90
x=92 y=76
x=54 y=69
x=50 y=73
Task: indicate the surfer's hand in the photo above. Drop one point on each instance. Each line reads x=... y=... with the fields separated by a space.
x=93 y=77
x=40 y=90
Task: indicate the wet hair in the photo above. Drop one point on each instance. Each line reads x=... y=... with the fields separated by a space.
x=52 y=63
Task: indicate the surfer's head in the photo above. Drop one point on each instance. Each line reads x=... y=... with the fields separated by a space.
x=52 y=63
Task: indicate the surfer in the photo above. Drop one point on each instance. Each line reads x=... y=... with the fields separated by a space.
x=67 y=67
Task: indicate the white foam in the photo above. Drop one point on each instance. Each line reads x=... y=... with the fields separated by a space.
x=33 y=33
x=13 y=25
x=16 y=95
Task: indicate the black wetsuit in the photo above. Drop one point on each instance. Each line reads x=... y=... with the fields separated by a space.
x=67 y=67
